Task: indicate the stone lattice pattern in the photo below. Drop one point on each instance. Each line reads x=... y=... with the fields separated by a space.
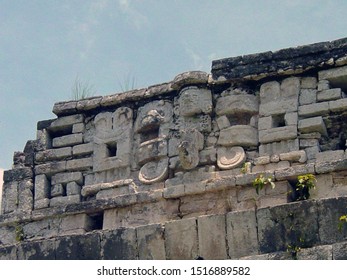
x=168 y=170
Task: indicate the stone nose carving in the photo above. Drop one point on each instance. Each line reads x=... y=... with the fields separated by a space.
x=192 y=142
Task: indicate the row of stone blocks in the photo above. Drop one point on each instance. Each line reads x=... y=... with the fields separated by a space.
x=266 y=233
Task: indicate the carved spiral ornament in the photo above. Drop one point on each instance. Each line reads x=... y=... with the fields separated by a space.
x=229 y=158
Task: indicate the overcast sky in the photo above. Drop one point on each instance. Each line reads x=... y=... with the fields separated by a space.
x=46 y=44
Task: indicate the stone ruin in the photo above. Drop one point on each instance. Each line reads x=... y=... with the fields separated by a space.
x=167 y=172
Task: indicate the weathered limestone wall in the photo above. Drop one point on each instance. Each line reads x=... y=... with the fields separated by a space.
x=167 y=171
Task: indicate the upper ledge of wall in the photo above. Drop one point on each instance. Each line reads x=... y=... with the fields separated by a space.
x=283 y=62
x=92 y=103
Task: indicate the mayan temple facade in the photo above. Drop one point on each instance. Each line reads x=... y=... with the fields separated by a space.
x=168 y=172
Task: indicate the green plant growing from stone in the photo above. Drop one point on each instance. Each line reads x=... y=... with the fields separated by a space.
x=342 y=222
x=294 y=249
x=19 y=233
x=245 y=167
x=82 y=89
x=261 y=181
x=304 y=185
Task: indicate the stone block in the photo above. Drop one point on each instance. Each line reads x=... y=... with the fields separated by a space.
x=119 y=244
x=270 y=91
x=323 y=85
x=64 y=200
x=212 y=237
x=324 y=187
x=241 y=227
x=311 y=152
x=174 y=191
x=41 y=203
x=308 y=82
x=150 y=242
x=237 y=104
x=75 y=224
x=42 y=187
x=330 y=156
x=181 y=240
x=152 y=150
x=262 y=160
x=50 y=168
x=8 y=253
x=329 y=94
x=66 y=177
x=316 y=253
x=201 y=123
x=89 y=103
x=82 y=149
x=79 y=164
x=53 y=154
x=64 y=122
x=67 y=140
x=265 y=123
x=194 y=101
x=307 y=96
x=283 y=146
x=335 y=76
x=291 y=118
x=315 y=124
x=73 y=188
x=208 y=156
x=315 y=109
x=239 y=135
x=292 y=172
x=78 y=128
x=277 y=134
x=284 y=225
x=57 y=190
x=173 y=146
x=276 y=165
x=223 y=122
x=79 y=247
x=339 y=251
x=294 y=156
x=37 y=250
x=329 y=212
x=305 y=143
x=17 y=174
x=338 y=105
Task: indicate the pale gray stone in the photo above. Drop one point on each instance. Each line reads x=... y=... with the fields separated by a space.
x=223 y=122
x=67 y=140
x=194 y=101
x=79 y=164
x=330 y=155
x=42 y=187
x=307 y=96
x=308 y=82
x=316 y=109
x=65 y=200
x=338 y=105
x=66 y=177
x=239 y=135
x=82 y=149
x=152 y=150
x=329 y=94
x=323 y=85
x=73 y=188
x=336 y=76
x=78 y=128
x=265 y=123
x=181 y=240
x=242 y=234
x=315 y=124
x=67 y=121
x=150 y=242
x=57 y=190
x=50 y=168
x=53 y=154
x=212 y=237
x=277 y=134
x=237 y=104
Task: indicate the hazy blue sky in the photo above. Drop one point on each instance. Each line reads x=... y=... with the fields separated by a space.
x=46 y=44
